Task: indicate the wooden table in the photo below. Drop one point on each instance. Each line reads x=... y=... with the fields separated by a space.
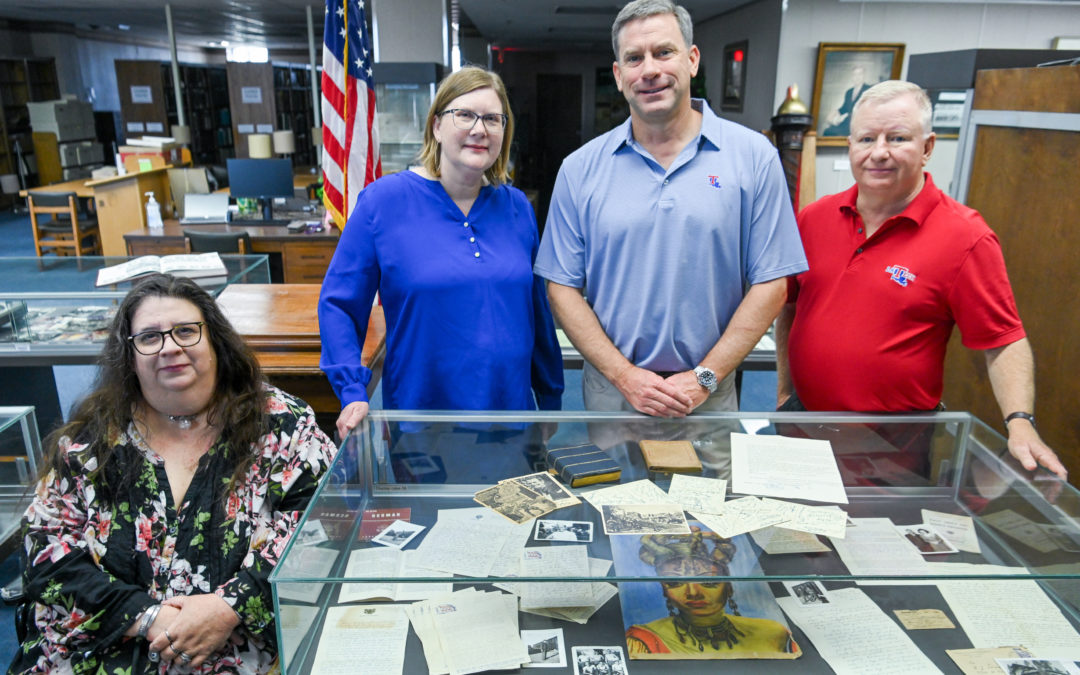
x=78 y=186
x=119 y=201
x=300 y=258
x=280 y=323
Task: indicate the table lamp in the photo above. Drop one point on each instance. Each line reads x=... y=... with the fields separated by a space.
x=259 y=146
x=284 y=142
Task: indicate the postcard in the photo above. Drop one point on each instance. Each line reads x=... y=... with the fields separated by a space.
x=546 y=648
x=375 y=521
x=807 y=592
x=926 y=538
x=543 y=483
x=644 y=519
x=564 y=530
x=515 y=501
x=398 y=534
x=589 y=660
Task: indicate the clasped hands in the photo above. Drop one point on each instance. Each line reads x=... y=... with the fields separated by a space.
x=674 y=396
x=192 y=628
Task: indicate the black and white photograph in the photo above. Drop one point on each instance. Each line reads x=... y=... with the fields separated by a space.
x=515 y=501
x=644 y=519
x=564 y=530
x=546 y=649
x=312 y=533
x=419 y=465
x=926 y=539
x=398 y=533
x=544 y=483
x=599 y=661
x=1037 y=666
x=807 y=592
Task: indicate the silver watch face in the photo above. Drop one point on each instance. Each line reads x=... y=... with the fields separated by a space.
x=706 y=378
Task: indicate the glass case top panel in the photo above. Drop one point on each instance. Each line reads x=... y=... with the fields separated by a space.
x=67 y=275
x=909 y=483
x=53 y=303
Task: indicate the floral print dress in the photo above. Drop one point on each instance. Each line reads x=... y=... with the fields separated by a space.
x=93 y=567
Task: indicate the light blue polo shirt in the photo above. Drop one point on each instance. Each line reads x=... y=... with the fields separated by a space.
x=664 y=256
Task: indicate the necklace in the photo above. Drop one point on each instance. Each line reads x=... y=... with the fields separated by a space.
x=725 y=631
x=182 y=421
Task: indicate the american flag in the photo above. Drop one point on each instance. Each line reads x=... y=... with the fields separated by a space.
x=350 y=135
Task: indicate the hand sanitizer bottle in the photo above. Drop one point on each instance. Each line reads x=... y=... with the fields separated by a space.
x=153 y=214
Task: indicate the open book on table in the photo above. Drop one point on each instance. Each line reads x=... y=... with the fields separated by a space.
x=193 y=265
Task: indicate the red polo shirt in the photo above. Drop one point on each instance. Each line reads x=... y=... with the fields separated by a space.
x=873 y=316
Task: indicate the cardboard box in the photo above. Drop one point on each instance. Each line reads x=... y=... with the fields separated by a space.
x=68 y=119
x=168 y=154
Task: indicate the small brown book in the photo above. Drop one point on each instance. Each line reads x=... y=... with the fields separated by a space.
x=670 y=456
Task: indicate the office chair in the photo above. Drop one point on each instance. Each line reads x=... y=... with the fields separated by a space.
x=70 y=225
x=218 y=177
x=221 y=242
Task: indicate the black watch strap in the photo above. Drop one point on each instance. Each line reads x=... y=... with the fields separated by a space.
x=1020 y=415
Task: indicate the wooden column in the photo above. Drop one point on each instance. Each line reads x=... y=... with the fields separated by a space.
x=251 y=102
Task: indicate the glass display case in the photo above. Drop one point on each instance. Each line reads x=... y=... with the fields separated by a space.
x=403 y=95
x=986 y=554
x=20 y=458
x=52 y=313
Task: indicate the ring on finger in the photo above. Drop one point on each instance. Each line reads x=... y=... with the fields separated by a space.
x=184 y=657
x=167 y=636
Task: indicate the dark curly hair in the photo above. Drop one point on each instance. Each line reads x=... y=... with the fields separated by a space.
x=238 y=405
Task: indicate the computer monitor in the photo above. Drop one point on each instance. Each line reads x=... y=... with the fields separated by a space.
x=262 y=179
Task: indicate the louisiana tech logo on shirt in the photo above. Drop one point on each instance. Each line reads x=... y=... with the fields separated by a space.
x=714 y=181
x=900 y=274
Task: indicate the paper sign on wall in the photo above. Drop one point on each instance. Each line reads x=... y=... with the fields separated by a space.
x=245 y=128
x=152 y=127
x=265 y=128
x=251 y=95
x=135 y=126
x=142 y=94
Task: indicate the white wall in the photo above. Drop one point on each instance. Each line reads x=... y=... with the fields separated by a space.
x=759 y=24
x=923 y=28
x=410 y=31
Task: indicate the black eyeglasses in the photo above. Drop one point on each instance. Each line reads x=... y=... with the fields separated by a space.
x=150 y=342
x=466 y=119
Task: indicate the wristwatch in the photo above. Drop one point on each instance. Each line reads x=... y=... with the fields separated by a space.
x=1020 y=415
x=706 y=378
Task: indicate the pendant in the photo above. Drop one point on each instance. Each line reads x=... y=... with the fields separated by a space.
x=182 y=421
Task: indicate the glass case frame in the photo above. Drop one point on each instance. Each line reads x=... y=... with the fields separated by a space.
x=968 y=472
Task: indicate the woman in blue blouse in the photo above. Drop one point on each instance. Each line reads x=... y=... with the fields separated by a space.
x=449 y=246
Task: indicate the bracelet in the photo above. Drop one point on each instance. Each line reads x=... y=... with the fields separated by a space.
x=148 y=620
x=1020 y=415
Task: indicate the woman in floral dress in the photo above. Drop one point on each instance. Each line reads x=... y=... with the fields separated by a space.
x=166 y=501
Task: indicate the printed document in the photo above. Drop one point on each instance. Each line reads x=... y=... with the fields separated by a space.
x=855 y=636
x=373 y=635
x=1004 y=612
x=789 y=468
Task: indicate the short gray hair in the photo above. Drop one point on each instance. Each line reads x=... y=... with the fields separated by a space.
x=886 y=91
x=643 y=9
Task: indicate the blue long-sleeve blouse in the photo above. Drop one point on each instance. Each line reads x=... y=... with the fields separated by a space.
x=467 y=323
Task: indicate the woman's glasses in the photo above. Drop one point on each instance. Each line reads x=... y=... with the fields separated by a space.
x=466 y=119
x=150 y=342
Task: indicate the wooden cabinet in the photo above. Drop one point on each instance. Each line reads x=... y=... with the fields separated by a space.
x=251 y=100
x=142 y=98
x=22 y=81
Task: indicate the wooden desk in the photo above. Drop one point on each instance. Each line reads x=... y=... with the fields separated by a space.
x=120 y=202
x=304 y=257
x=78 y=186
x=280 y=323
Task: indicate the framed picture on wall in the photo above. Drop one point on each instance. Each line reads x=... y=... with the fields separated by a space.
x=735 y=76
x=844 y=71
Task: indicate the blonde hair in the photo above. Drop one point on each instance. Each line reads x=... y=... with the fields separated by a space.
x=886 y=91
x=468 y=79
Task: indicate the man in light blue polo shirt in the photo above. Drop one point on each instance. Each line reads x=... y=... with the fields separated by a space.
x=677 y=228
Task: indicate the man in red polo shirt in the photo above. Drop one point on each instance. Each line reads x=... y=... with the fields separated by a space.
x=894 y=264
